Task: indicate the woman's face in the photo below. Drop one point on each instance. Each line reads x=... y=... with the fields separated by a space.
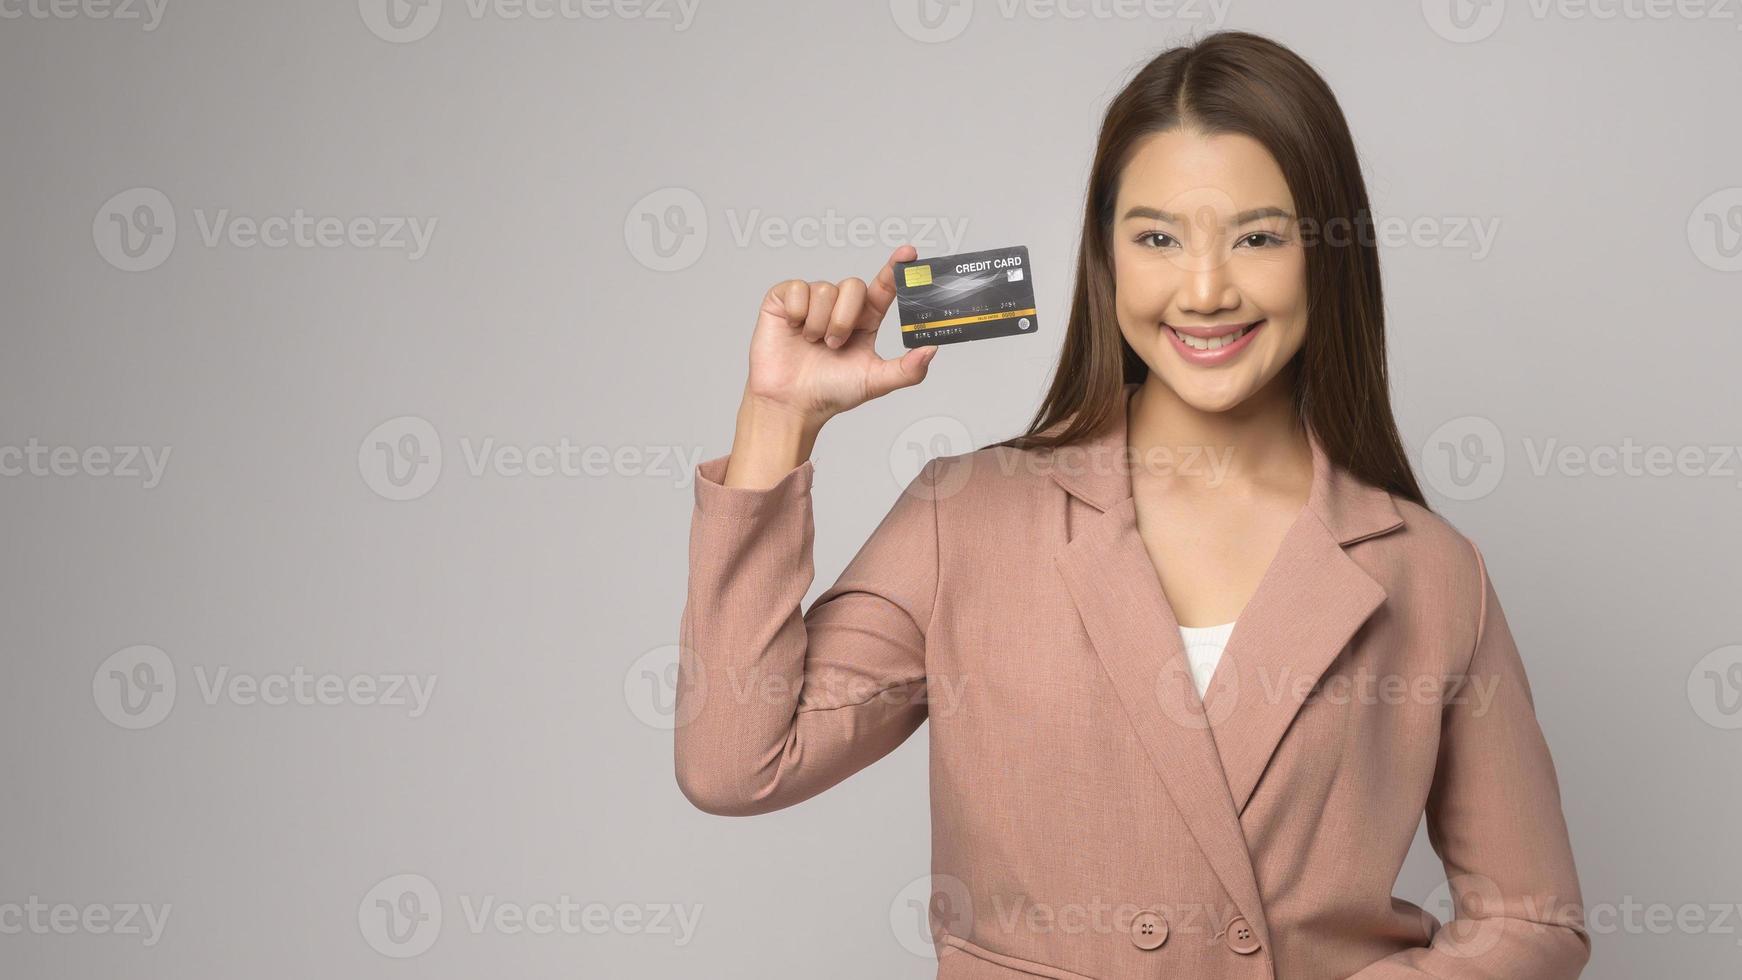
x=1209 y=269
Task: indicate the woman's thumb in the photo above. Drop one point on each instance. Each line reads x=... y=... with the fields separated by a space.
x=901 y=372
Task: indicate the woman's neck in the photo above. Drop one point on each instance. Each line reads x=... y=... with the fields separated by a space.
x=1256 y=444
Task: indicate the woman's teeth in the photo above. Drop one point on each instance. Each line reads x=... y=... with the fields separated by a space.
x=1211 y=343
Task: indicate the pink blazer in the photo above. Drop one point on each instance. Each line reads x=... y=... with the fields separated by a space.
x=1091 y=816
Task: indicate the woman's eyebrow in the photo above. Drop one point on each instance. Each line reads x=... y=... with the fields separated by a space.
x=1268 y=211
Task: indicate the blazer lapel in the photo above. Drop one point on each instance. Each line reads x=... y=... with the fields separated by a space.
x=1313 y=597
x=1308 y=605
x=1119 y=598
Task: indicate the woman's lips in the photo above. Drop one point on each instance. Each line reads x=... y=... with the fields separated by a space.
x=1214 y=344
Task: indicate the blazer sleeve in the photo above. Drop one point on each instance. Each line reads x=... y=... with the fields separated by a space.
x=774 y=706
x=1494 y=818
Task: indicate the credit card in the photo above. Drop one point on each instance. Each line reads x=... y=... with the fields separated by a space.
x=971 y=296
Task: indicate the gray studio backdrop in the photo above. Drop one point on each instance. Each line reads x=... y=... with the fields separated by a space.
x=356 y=358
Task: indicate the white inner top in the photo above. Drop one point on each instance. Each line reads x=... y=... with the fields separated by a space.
x=1204 y=650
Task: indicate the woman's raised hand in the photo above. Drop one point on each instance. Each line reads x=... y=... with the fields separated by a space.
x=813 y=356
x=814 y=351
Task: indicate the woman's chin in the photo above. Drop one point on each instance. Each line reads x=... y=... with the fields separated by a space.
x=1209 y=395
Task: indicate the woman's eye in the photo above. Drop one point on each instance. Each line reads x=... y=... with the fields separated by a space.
x=1260 y=239
x=1155 y=239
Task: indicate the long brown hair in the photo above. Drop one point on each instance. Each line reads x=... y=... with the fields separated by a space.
x=1238 y=82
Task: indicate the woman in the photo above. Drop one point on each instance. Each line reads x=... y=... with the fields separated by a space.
x=1216 y=460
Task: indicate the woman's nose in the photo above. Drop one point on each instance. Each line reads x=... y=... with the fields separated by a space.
x=1207 y=286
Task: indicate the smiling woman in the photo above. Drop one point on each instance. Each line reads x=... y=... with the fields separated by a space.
x=1242 y=813
x=1220 y=178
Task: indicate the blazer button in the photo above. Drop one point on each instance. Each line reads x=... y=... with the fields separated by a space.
x=1148 y=929
x=1241 y=937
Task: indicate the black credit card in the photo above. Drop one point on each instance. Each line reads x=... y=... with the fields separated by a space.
x=972 y=296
